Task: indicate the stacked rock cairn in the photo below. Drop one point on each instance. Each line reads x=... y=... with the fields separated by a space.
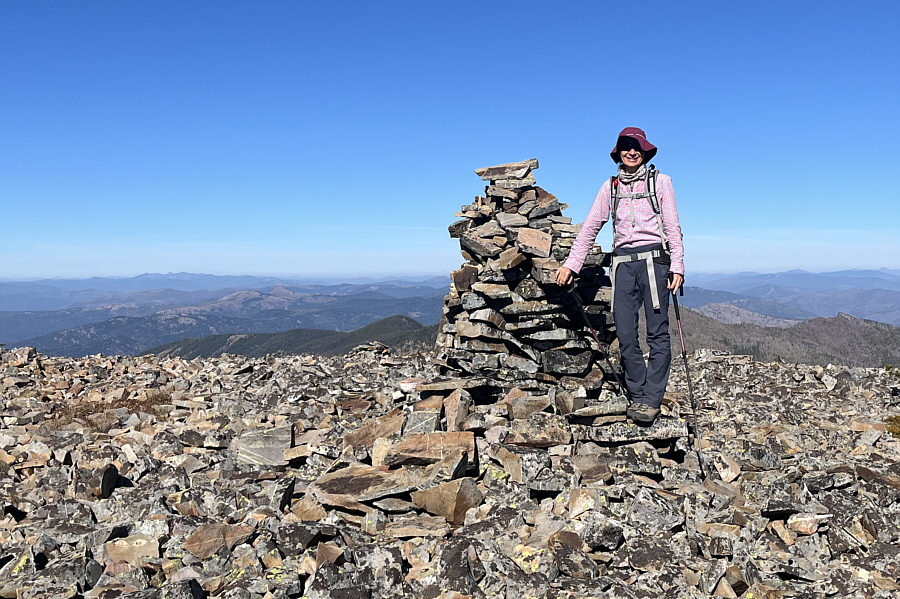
x=505 y=318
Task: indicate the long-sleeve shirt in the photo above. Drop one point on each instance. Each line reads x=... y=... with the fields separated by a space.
x=636 y=223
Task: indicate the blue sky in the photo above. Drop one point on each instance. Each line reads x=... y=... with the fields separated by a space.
x=317 y=139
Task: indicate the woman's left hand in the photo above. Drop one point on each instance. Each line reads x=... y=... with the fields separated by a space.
x=675 y=282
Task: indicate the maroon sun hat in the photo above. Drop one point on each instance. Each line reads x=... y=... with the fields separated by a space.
x=640 y=137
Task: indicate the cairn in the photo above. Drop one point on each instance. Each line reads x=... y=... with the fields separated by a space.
x=505 y=318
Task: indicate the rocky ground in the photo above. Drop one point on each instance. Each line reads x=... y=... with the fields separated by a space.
x=367 y=475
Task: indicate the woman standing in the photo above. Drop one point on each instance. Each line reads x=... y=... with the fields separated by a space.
x=648 y=262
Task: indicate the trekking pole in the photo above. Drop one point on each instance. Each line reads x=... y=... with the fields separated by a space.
x=687 y=375
x=604 y=349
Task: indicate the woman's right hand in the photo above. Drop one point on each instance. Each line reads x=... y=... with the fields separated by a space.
x=564 y=276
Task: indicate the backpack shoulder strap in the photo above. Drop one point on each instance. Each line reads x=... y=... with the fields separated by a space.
x=654 y=202
x=613 y=198
x=651 y=187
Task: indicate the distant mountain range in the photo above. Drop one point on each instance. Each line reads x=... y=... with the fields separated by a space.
x=132 y=315
x=797 y=294
x=840 y=339
x=394 y=331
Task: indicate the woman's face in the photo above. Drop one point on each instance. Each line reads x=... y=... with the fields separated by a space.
x=631 y=157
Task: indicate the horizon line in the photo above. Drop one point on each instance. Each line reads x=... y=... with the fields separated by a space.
x=385 y=275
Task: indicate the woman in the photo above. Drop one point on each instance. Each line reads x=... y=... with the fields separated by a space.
x=648 y=262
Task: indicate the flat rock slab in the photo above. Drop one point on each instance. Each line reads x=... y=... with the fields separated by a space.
x=512 y=170
x=428 y=448
x=359 y=482
x=663 y=428
x=534 y=242
x=539 y=430
x=616 y=405
x=209 y=538
x=133 y=550
x=451 y=384
x=263 y=447
x=417 y=526
x=375 y=428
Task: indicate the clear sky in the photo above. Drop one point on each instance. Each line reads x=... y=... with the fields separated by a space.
x=339 y=138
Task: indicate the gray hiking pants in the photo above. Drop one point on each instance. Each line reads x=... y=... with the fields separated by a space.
x=646 y=382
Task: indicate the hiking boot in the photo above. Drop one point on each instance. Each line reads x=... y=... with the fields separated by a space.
x=641 y=413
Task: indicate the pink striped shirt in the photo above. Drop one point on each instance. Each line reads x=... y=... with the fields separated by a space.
x=636 y=223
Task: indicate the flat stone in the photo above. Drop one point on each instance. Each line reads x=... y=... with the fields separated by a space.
x=508 y=259
x=422 y=421
x=466 y=328
x=530 y=308
x=478 y=245
x=615 y=405
x=539 y=430
x=662 y=428
x=508 y=220
x=430 y=448
x=489 y=316
x=534 y=242
x=515 y=183
x=134 y=550
x=450 y=384
x=501 y=192
x=209 y=538
x=263 y=447
x=358 y=482
x=383 y=427
x=492 y=290
x=525 y=406
x=511 y=170
x=416 y=526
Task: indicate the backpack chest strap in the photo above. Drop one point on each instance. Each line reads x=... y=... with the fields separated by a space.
x=635 y=195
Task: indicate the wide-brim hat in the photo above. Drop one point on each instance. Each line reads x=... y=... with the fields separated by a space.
x=640 y=137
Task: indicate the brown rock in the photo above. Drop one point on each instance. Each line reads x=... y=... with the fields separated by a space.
x=307 y=509
x=512 y=463
x=428 y=448
x=534 y=242
x=358 y=482
x=416 y=526
x=512 y=170
x=134 y=550
x=464 y=277
x=375 y=428
x=466 y=328
x=450 y=500
x=328 y=552
x=206 y=540
x=508 y=258
x=456 y=408
x=525 y=406
x=727 y=467
x=806 y=524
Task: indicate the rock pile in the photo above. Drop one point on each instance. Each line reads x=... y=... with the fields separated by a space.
x=368 y=476
x=505 y=317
